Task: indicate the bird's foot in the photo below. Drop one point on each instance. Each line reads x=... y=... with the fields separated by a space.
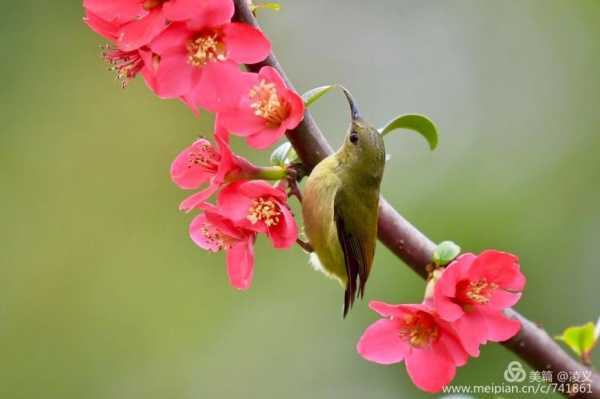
x=294 y=189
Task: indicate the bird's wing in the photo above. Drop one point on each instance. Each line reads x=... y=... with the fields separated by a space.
x=355 y=253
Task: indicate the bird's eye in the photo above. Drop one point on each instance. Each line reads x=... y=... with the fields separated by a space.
x=354 y=137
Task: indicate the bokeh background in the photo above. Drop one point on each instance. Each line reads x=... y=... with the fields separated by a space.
x=102 y=294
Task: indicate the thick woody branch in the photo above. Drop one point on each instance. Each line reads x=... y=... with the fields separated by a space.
x=532 y=344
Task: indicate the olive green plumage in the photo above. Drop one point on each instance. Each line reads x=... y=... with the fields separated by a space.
x=340 y=207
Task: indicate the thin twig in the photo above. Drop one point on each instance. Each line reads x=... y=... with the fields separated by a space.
x=532 y=344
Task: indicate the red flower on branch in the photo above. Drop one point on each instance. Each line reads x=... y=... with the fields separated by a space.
x=213 y=232
x=473 y=291
x=258 y=106
x=138 y=22
x=416 y=335
x=126 y=64
x=259 y=207
x=203 y=163
x=186 y=54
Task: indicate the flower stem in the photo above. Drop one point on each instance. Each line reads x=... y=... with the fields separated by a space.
x=271 y=173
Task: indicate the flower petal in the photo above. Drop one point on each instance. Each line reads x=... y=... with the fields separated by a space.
x=210 y=13
x=387 y=310
x=453 y=273
x=446 y=308
x=453 y=346
x=471 y=330
x=174 y=76
x=260 y=188
x=194 y=201
x=430 y=369
x=233 y=204
x=172 y=39
x=501 y=268
x=245 y=44
x=240 y=264
x=285 y=234
x=100 y=26
x=381 y=343
x=265 y=137
x=296 y=110
x=222 y=87
x=270 y=74
x=200 y=229
x=499 y=327
x=501 y=300
x=187 y=174
x=119 y=11
x=140 y=32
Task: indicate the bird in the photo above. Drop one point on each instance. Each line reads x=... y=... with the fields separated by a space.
x=340 y=207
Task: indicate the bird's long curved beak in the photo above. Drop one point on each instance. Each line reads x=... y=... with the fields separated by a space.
x=352 y=103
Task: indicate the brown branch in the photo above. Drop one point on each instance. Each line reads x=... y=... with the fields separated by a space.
x=532 y=344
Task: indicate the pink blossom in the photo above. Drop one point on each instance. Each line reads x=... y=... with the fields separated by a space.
x=258 y=106
x=256 y=205
x=203 y=163
x=138 y=22
x=213 y=232
x=415 y=334
x=186 y=54
x=473 y=291
x=126 y=64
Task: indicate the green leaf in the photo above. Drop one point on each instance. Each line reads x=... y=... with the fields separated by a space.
x=292 y=156
x=269 y=6
x=280 y=155
x=445 y=253
x=418 y=123
x=314 y=94
x=581 y=339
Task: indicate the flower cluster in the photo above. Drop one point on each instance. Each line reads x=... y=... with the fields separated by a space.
x=463 y=311
x=192 y=51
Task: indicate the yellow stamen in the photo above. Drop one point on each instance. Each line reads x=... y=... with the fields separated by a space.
x=267 y=104
x=419 y=330
x=206 y=48
x=216 y=239
x=205 y=157
x=265 y=211
x=480 y=291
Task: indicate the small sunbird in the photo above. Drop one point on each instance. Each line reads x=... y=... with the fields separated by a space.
x=340 y=207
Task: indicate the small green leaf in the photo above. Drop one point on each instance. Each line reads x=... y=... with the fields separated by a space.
x=269 y=6
x=581 y=339
x=314 y=94
x=292 y=156
x=445 y=253
x=418 y=123
x=280 y=154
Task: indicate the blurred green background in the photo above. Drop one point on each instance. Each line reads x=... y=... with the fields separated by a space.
x=103 y=295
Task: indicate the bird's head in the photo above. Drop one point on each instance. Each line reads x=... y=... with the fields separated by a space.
x=363 y=145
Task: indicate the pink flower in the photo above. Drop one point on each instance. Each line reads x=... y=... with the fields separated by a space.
x=138 y=22
x=256 y=205
x=213 y=232
x=415 y=334
x=203 y=163
x=126 y=64
x=473 y=291
x=258 y=106
x=185 y=55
